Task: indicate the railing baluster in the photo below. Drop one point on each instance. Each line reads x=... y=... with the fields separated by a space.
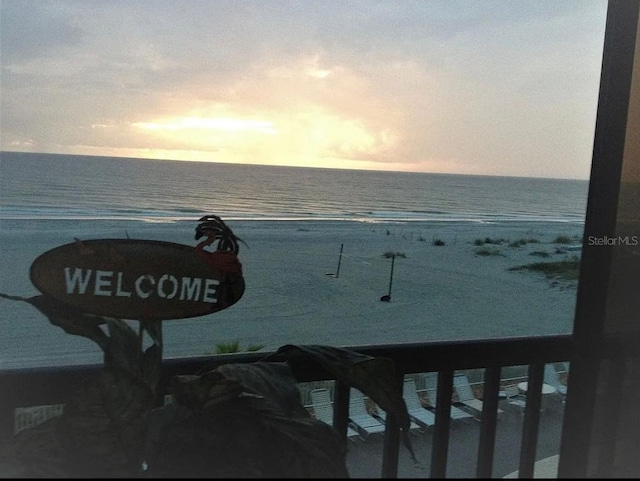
x=615 y=386
x=440 y=448
x=391 y=446
x=531 y=421
x=341 y=409
x=489 y=421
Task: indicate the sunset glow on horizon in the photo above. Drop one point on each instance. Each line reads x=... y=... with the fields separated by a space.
x=198 y=123
x=306 y=136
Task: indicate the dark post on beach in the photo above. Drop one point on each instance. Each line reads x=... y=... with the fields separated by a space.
x=339 y=261
x=387 y=298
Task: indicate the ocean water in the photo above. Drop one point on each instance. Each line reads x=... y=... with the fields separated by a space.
x=63 y=187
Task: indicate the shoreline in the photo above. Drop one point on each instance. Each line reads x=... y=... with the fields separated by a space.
x=438 y=292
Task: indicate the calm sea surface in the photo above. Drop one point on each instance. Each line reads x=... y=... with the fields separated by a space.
x=46 y=186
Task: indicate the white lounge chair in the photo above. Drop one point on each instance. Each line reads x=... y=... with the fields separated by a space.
x=515 y=397
x=360 y=417
x=551 y=377
x=465 y=394
x=323 y=409
x=423 y=417
x=382 y=415
x=431 y=384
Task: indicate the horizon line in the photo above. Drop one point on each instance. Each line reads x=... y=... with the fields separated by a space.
x=296 y=166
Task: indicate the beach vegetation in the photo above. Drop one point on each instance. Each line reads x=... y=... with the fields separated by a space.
x=486 y=251
x=562 y=239
x=565 y=270
x=539 y=253
x=523 y=242
x=489 y=240
x=560 y=250
x=391 y=254
x=228 y=347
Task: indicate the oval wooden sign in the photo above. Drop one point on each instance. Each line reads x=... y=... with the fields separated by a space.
x=139 y=279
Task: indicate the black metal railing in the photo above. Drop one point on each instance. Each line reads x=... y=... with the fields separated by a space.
x=45 y=386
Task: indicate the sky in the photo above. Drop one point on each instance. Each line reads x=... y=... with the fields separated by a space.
x=458 y=86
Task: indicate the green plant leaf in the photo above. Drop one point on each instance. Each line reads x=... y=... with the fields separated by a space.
x=375 y=377
x=103 y=425
x=241 y=420
x=71 y=320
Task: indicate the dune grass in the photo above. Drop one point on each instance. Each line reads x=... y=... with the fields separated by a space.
x=489 y=240
x=539 y=254
x=390 y=254
x=566 y=270
x=486 y=252
x=523 y=242
x=500 y=241
x=563 y=239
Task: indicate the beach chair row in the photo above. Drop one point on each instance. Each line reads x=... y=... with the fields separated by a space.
x=365 y=418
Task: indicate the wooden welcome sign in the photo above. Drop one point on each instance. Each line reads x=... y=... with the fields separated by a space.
x=139 y=279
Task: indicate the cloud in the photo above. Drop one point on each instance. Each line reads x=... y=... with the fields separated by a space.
x=31 y=33
x=479 y=87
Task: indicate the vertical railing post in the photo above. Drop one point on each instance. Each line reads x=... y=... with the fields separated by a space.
x=7 y=410
x=440 y=448
x=341 y=408
x=487 y=441
x=531 y=421
x=609 y=431
x=391 y=447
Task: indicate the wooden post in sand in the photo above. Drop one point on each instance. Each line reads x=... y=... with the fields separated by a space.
x=339 y=260
x=393 y=258
x=331 y=274
x=387 y=297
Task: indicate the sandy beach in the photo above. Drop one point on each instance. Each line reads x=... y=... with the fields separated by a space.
x=438 y=292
